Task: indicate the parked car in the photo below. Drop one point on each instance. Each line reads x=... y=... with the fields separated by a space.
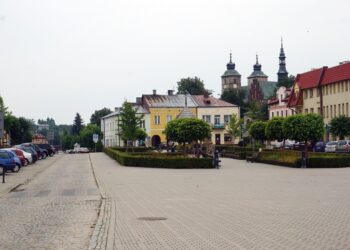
x=301 y=145
x=50 y=150
x=27 y=156
x=320 y=146
x=7 y=161
x=343 y=146
x=16 y=158
x=331 y=146
x=35 y=148
x=289 y=145
x=29 y=150
x=20 y=155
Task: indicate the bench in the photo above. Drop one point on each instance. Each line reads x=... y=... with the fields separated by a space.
x=253 y=157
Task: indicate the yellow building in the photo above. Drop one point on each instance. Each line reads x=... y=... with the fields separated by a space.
x=324 y=91
x=164 y=108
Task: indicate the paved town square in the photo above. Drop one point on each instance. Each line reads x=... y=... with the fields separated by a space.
x=239 y=206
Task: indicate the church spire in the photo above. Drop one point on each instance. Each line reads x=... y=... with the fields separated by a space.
x=282 y=71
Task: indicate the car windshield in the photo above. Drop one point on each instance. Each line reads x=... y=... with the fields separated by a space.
x=320 y=143
x=4 y=155
x=331 y=143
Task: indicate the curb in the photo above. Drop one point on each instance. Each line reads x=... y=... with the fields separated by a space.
x=99 y=236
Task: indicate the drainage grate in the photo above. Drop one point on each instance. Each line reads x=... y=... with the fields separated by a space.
x=152 y=218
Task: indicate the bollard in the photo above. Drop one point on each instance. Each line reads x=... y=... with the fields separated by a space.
x=3 y=173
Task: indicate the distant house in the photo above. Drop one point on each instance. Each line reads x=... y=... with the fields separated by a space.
x=278 y=106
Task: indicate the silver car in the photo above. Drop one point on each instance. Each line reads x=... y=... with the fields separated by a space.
x=343 y=146
x=331 y=146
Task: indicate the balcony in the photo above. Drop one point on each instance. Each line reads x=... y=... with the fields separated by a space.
x=218 y=126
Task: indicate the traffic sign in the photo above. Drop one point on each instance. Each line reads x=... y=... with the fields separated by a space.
x=95 y=138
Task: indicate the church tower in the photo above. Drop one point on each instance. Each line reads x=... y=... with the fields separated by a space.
x=257 y=74
x=231 y=79
x=282 y=71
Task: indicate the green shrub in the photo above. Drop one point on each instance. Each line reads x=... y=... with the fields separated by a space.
x=158 y=161
x=133 y=149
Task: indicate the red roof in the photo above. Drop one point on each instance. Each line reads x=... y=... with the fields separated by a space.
x=337 y=73
x=309 y=79
x=210 y=101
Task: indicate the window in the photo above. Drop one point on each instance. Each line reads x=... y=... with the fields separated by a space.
x=327 y=112
x=206 y=118
x=227 y=137
x=311 y=93
x=333 y=88
x=342 y=86
x=272 y=114
x=346 y=86
x=169 y=118
x=338 y=86
x=342 y=109
x=306 y=111
x=278 y=113
x=157 y=119
x=326 y=90
x=331 y=108
x=335 y=110
x=312 y=110
x=286 y=113
x=330 y=90
x=338 y=109
x=305 y=94
x=227 y=119
x=347 y=109
x=319 y=110
x=318 y=92
x=143 y=124
x=217 y=119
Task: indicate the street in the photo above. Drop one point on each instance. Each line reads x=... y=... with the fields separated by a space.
x=56 y=209
x=239 y=206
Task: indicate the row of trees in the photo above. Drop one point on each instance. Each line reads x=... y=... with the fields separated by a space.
x=300 y=127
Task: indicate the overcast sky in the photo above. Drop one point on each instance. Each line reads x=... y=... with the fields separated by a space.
x=59 y=57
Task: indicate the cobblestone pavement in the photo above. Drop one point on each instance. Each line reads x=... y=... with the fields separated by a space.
x=240 y=206
x=55 y=209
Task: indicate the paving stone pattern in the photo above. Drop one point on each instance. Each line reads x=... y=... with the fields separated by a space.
x=240 y=206
x=55 y=210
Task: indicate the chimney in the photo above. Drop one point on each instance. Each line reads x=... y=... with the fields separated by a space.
x=343 y=62
x=138 y=100
x=170 y=92
x=154 y=92
x=116 y=109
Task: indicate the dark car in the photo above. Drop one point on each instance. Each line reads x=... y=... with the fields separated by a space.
x=7 y=161
x=301 y=145
x=50 y=150
x=29 y=150
x=41 y=153
x=320 y=146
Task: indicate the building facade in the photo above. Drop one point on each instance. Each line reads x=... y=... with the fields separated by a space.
x=278 y=106
x=324 y=91
x=218 y=114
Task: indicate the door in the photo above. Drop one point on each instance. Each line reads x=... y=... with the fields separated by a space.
x=217 y=139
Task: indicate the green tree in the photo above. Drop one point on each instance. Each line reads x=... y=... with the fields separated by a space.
x=304 y=128
x=77 y=124
x=187 y=130
x=274 y=129
x=192 y=86
x=340 y=126
x=86 y=135
x=3 y=108
x=257 y=130
x=20 y=129
x=286 y=82
x=129 y=122
x=98 y=114
x=237 y=97
x=234 y=127
x=256 y=111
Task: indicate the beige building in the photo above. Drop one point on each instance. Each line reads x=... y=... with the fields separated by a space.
x=324 y=91
x=218 y=114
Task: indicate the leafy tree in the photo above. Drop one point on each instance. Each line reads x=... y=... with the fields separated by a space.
x=141 y=134
x=187 y=130
x=77 y=124
x=234 y=127
x=98 y=114
x=257 y=130
x=86 y=135
x=20 y=129
x=192 y=86
x=286 y=82
x=3 y=108
x=274 y=129
x=340 y=126
x=256 y=111
x=129 y=122
x=237 y=97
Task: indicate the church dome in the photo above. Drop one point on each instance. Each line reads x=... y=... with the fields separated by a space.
x=230 y=69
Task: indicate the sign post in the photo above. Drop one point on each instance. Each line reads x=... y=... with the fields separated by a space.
x=95 y=139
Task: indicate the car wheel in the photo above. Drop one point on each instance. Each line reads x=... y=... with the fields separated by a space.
x=44 y=155
x=16 y=169
x=27 y=162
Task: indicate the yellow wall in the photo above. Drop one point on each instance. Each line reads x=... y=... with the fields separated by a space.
x=157 y=129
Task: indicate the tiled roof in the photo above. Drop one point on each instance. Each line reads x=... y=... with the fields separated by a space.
x=210 y=101
x=168 y=101
x=337 y=73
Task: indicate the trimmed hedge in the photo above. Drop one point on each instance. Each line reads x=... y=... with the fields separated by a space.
x=158 y=161
x=314 y=160
x=132 y=149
